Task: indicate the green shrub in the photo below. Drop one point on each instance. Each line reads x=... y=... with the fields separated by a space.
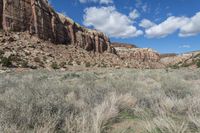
x=198 y=63
x=54 y=65
x=1 y=53
x=15 y=58
x=70 y=62
x=62 y=64
x=103 y=65
x=71 y=76
x=6 y=62
x=78 y=62
x=185 y=65
x=37 y=59
x=44 y=58
x=24 y=63
x=175 y=66
x=87 y=64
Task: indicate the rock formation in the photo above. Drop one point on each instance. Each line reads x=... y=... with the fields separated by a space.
x=139 y=54
x=37 y=17
x=43 y=24
x=182 y=60
x=117 y=44
x=168 y=55
x=1 y=14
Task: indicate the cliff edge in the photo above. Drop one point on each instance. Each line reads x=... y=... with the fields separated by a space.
x=39 y=18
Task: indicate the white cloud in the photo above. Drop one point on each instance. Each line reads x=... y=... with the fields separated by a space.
x=99 y=1
x=167 y=27
x=106 y=1
x=134 y=14
x=111 y=22
x=145 y=7
x=186 y=26
x=185 y=46
x=145 y=23
x=192 y=27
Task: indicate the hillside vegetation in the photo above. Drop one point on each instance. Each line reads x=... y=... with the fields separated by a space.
x=101 y=101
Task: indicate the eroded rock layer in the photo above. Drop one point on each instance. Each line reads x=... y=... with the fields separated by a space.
x=37 y=17
x=124 y=45
x=139 y=54
x=189 y=59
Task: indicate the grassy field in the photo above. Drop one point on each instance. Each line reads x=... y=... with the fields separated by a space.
x=101 y=101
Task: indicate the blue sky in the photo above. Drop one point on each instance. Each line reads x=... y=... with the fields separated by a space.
x=167 y=26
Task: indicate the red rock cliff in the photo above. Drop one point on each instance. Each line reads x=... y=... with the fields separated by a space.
x=37 y=17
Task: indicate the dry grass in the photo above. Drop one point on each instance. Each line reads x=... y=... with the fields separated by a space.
x=92 y=102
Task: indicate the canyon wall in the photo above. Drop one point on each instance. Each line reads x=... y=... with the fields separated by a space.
x=1 y=14
x=40 y=19
x=37 y=17
x=139 y=54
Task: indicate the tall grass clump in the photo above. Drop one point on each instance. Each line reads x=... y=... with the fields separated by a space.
x=100 y=101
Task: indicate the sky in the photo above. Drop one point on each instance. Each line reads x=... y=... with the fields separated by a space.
x=168 y=26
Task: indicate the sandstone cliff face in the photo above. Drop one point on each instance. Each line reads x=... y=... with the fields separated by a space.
x=37 y=17
x=139 y=54
x=1 y=14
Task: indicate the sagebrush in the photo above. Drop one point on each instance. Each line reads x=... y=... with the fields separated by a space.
x=155 y=101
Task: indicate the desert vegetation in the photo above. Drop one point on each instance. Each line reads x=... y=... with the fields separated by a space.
x=100 y=101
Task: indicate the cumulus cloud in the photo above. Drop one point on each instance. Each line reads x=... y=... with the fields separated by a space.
x=186 y=26
x=111 y=22
x=192 y=27
x=145 y=23
x=134 y=14
x=99 y=1
x=167 y=27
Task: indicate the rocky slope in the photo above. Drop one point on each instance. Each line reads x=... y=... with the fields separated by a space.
x=190 y=59
x=31 y=28
x=141 y=54
x=38 y=18
x=21 y=50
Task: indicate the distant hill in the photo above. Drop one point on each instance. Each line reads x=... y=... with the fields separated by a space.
x=188 y=59
x=126 y=45
x=168 y=55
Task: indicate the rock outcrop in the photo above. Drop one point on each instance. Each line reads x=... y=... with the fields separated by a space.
x=1 y=14
x=139 y=54
x=168 y=55
x=44 y=25
x=37 y=17
x=24 y=51
x=125 y=45
x=183 y=60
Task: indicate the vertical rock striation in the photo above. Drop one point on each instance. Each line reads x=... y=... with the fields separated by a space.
x=1 y=14
x=37 y=17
